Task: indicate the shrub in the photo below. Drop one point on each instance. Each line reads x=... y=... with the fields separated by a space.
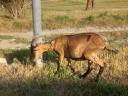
x=91 y=18
x=103 y=14
x=118 y=17
x=16 y=8
x=62 y=19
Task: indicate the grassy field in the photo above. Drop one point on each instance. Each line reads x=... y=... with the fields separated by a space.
x=70 y=13
x=20 y=78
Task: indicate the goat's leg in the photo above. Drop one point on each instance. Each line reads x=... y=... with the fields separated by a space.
x=92 y=3
x=87 y=4
x=88 y=70
x=98 y=61
x=61 y=57
x=69 y=65
x=58 y=67
x=100 y=72
x=91 y=55
x=69 y=61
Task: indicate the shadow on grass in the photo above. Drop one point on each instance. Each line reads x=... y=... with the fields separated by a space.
x=17 y=56
x=22 y=56
x=67 y=87
x=70 y=88
x=46 y=84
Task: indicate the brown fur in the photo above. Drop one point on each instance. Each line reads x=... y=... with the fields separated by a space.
x=84 y=46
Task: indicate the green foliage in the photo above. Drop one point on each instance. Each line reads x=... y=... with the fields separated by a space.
x=21 y=56
x=50 y=56
x=91 y=18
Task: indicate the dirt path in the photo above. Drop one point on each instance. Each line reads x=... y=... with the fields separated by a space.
x=29 y=35
x=10 y=44
x=113 y=9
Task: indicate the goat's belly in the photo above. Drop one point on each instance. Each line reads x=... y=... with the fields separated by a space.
x=75 y=55
x=76 y=58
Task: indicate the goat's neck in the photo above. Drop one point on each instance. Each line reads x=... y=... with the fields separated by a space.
x=48 y=47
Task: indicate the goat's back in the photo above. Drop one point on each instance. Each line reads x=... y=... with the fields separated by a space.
x=75 y=45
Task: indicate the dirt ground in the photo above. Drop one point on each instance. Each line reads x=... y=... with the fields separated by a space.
x=11 y=44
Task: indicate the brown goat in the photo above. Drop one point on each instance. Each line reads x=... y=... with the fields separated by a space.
x=84 y=46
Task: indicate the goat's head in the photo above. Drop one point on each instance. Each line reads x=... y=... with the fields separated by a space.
x=39 y=50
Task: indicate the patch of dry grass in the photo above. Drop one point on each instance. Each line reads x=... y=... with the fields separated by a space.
x=10 y=25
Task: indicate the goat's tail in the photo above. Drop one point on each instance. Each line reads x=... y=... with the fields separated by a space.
x=113 y=50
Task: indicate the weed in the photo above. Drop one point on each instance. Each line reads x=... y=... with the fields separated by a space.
x=91 y=18
x=87 y=20
x=118 y=17
x=62 y=18
x=103 y=14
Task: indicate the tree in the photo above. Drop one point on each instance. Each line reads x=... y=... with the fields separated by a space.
x=89 y=2
x=16 y=8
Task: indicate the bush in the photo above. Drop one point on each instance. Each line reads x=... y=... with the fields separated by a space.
x=91 y=18
x=16 y=8
x=103 y=14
